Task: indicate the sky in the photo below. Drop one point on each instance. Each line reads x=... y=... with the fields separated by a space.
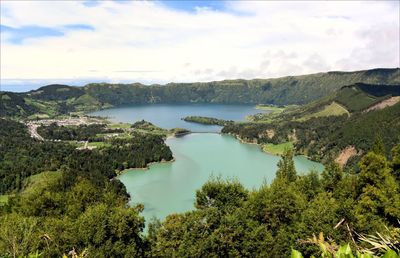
x=77 y=42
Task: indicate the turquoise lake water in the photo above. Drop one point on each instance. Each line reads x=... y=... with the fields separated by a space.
x=170 y=187
x=167 y=188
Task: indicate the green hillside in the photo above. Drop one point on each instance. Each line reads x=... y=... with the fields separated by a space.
x=324 y=128
x=56 y=92
x=12 y=104
x=362 y=96
x=348 y=99
x=333 y=109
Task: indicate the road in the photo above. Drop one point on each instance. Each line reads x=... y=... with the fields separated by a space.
x=32 y=128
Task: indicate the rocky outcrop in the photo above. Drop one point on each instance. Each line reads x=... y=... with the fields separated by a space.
x=345 y=155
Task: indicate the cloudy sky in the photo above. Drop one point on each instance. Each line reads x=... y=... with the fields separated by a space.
x=157 y=42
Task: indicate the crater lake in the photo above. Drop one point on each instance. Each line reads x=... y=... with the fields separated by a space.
x=166 y=188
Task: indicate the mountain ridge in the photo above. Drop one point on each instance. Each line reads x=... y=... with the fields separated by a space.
x=278 y=91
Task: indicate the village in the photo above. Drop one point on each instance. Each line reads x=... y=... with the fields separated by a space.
x=33 y=125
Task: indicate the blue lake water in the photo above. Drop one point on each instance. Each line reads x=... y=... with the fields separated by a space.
x=170 y=115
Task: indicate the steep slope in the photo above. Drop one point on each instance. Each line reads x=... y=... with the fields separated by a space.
x=361 y=96
x=55 y=92
x=355 y=98
x=320 y=131
x=12 y=104
x=47 y=101
x=384 y=103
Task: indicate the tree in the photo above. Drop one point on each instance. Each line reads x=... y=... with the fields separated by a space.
x=395 y=164
x=284 y=204
x=220 y=194
x=286 y=167
x=309 y=184
x=379 y=147
x=18 y=235
x=210 y=232
x=111 y=232
x=321 y=215
x=331 y=176
x=379 y=201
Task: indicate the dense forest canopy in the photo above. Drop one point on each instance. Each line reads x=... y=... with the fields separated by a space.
x=207 y=120
x=83 y=211
x=22 y=156
x=79 y=133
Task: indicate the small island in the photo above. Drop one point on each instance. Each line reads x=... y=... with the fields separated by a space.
x=147 y=127
x=177 y=132
x=207 y=120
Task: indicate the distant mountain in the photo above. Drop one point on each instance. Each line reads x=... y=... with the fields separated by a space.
x=302 y=89
x=285 y=90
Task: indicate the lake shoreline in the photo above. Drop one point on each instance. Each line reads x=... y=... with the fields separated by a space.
x=166 y=189
x=147 y=167
x=252 y=143
x=241 y=141
x=263 y=150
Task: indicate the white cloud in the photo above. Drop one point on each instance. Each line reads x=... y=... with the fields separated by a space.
x=249 y=39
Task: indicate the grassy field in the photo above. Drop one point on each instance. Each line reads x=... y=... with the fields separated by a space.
x=46 y=108
x=119 y=125
x=154 y=132
x=270 y=116
x=114 y=135
x=3 y=199
x=277 y=149
x=38 y=115
x=40 y=180
x=270 y=107
x=98 y=144
x=334 y=109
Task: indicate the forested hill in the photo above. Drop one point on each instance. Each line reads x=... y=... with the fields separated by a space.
x=55 y=99
x=342 y=125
